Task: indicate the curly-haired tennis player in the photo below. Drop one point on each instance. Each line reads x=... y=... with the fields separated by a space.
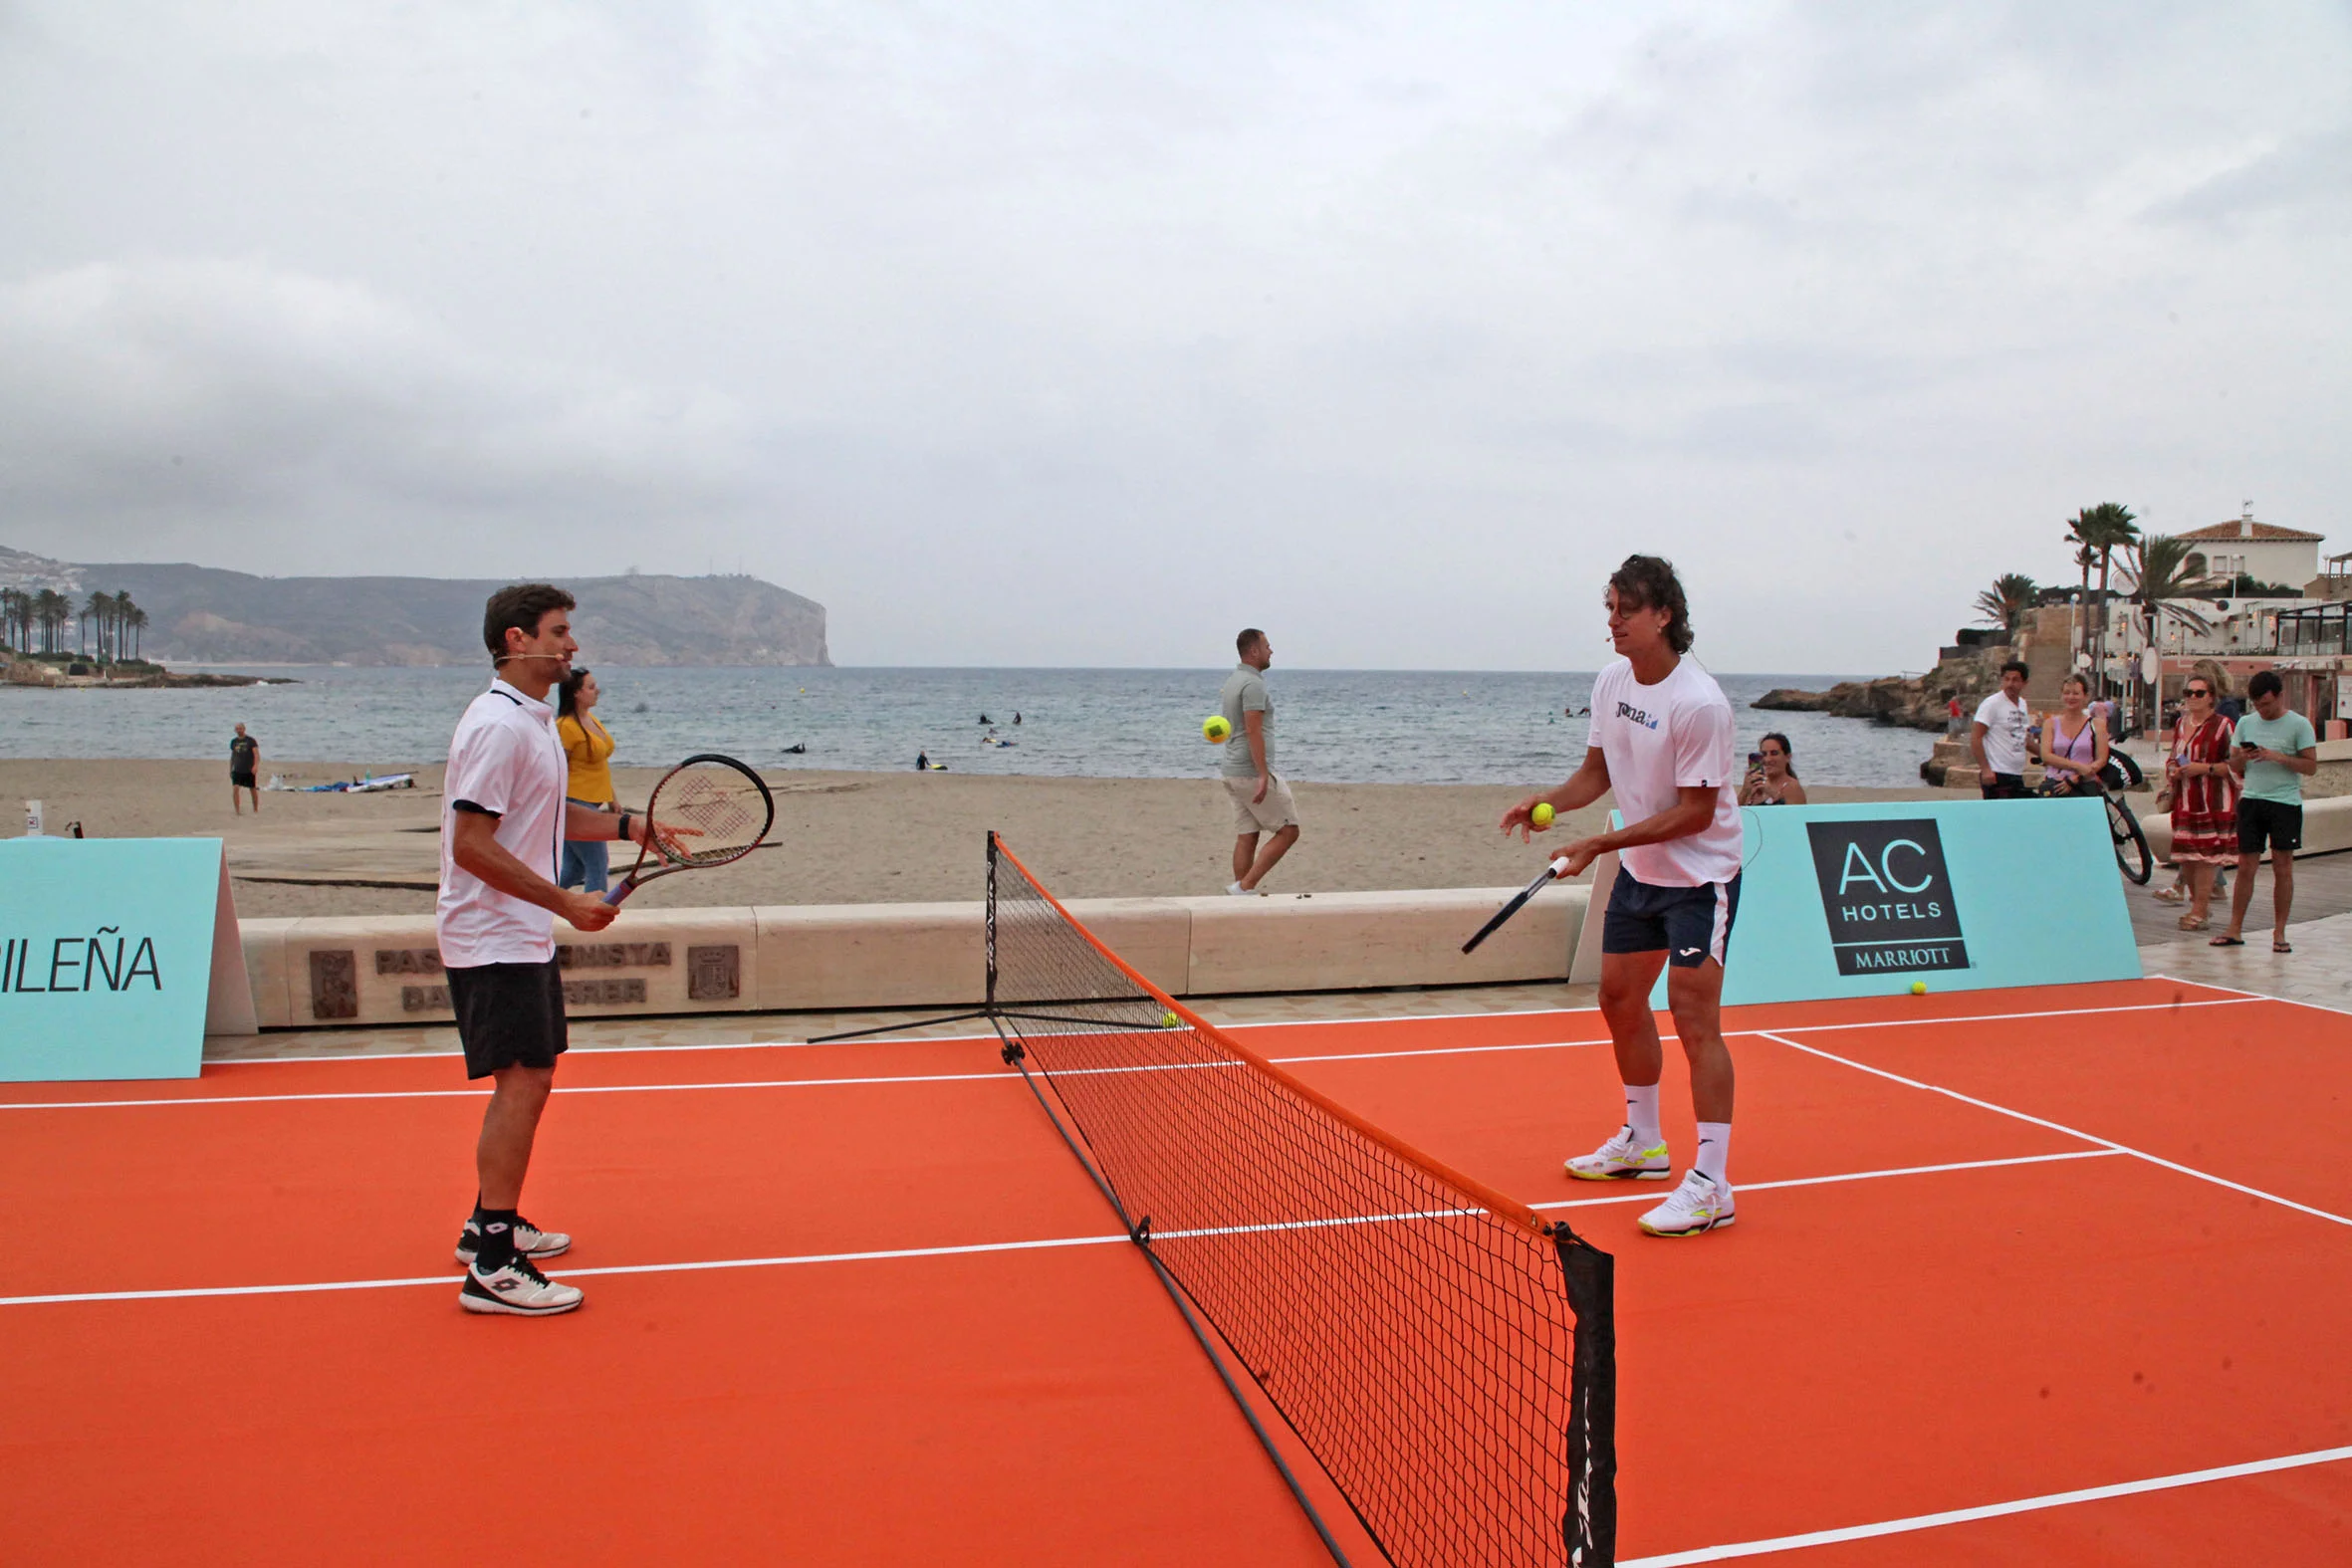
x=1662 y=739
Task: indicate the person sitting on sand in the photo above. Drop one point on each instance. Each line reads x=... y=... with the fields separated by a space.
x=1773 y=782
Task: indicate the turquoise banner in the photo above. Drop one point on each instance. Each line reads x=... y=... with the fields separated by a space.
x=106 y=955
x=1864 y=899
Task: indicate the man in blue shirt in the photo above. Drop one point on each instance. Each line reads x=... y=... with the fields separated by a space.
x=2277 y=748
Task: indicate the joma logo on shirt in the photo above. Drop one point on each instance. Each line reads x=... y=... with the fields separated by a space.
x=1626 y=710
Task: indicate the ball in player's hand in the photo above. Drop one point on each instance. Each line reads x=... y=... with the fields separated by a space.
x=1214 y=728
x=1919 y=987
x=1541 y=815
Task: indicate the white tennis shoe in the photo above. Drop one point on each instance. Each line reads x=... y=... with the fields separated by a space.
x=1701 y=1204
x=518 y=1288
x=1623 y=1159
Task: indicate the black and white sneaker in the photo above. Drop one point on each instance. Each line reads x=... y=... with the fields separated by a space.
x=530 y=1240
x=519 y=1289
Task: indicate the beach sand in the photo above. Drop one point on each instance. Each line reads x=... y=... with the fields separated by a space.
x=848 y=838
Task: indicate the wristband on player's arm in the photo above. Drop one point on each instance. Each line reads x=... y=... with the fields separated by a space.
x=623 y=826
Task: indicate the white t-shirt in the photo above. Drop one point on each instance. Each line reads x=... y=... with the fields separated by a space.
x=2004 y=725
x=505 y=759
x=1658 y=740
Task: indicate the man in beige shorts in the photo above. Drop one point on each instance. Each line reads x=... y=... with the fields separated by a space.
x=1261 y=801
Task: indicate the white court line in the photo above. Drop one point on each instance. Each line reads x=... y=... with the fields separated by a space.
x=953 y=1251
x=2233 y=999
x=1849 y=1176
x=2258 y=995
x=2071 y=1132
x=952 y=1078
x=1990 y=1510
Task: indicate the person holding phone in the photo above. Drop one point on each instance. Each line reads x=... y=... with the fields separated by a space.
x=1771 y=774
x=2277 y=750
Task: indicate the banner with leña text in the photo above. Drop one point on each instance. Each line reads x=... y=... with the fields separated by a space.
x=106 y=957
x=1863 y=899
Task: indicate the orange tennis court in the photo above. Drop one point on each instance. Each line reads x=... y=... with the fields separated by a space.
x=2062 y=1276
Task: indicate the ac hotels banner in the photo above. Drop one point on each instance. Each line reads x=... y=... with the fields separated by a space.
x=1862 y=899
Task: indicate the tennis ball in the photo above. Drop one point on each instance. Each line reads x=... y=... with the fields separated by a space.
x=1169 y=1020
x=1541 y=815
x=1919 y=987
x=1214 y=728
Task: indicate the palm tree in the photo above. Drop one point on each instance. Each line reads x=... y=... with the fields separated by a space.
x=101 y=611
x=16 y=610
x=132 y=617
x=2104 y=530
x=2004 y=603
x=52 y=611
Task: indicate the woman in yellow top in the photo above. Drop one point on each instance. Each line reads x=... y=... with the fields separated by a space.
x=589 y=745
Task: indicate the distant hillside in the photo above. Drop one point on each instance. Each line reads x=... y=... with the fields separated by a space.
x=202 y=615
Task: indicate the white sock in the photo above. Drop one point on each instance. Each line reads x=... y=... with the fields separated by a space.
x=1715 y=1152
x=1641 y=1113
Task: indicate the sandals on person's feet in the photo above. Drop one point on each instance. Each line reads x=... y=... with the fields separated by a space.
x=2226 y=942
x=2282 y=947
x=2171 y=895
x=2195 y=922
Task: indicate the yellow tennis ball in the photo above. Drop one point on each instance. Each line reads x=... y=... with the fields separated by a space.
x=1169 y=1020
x=1214 y=728
x=1541 y=815
x=1919 y=987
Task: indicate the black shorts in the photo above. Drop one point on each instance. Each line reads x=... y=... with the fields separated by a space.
x=507 y=1016
x=238 y=781
x=1693 y=924
x=2005 y=786
x=2264 y=825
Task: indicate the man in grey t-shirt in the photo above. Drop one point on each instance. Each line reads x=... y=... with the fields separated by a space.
x=1261 y=801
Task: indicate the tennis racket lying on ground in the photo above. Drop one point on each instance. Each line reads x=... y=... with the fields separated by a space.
x=706 y=811
x=1519 y=901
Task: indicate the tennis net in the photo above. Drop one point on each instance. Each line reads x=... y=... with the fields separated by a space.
x=1446 y=1354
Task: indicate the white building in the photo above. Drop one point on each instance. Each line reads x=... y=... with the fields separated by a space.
x=2263 y=551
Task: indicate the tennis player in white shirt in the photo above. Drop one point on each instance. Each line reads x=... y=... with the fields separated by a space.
x=1662 y=739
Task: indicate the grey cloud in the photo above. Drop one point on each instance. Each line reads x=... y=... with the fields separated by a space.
x=194 y=392
x=2312 y=175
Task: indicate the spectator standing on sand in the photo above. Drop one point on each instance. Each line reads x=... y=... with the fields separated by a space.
x=587 y=750
x=244 y=767
x=1260 y=798
x=2277 y=748
x=1997 y=738
x=2203 y=793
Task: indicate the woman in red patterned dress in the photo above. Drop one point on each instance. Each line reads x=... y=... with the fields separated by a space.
x=2205 y=795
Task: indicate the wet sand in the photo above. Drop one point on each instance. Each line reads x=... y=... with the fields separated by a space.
x=847 y=838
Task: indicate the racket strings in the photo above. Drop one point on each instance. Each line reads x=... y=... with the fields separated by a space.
x=717 y=814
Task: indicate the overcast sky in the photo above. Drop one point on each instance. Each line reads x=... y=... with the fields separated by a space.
x=1084 y=333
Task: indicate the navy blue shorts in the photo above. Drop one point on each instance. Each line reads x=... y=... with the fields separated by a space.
x=1693 y=924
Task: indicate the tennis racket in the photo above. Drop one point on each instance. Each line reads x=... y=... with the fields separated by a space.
x=1519 y=901
x=706 y=811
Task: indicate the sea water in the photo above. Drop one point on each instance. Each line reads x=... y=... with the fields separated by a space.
x=1354 y=726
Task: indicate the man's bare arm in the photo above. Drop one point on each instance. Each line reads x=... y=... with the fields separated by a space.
x=1581 y=788
x=1254 y=726
x=475 y=847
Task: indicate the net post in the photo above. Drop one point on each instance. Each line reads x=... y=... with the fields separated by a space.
x=1590 y=1526
x=989 y=922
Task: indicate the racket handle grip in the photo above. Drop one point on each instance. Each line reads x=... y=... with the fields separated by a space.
x=1560 y=866
x=619 y=891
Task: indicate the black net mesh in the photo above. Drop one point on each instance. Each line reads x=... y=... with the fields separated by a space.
x=1446 y=1356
